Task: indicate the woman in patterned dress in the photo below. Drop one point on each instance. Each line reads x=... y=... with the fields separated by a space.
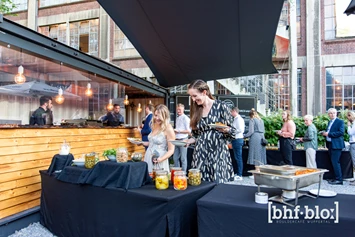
x=211 y=154
x=257 y=152
x=158 y=144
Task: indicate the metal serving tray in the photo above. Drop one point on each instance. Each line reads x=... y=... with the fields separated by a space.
x=288 y=182
x=282 y=170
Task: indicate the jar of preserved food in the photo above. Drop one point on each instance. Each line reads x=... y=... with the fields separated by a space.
x=194 y=177
x=172 y=171
x=153 y=174
x=161 y=180
x=90 y=160
x=180 y=180
x=122 y=154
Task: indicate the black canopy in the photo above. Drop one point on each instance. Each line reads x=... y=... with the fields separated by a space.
x=351 y=8
x=183 y=40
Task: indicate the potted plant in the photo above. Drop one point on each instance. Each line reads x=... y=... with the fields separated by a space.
x=110 y=154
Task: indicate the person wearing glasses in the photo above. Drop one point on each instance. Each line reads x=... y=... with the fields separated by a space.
x=335 y=143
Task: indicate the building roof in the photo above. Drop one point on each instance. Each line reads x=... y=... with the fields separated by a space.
x=184 y=40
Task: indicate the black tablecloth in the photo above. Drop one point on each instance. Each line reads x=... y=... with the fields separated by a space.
x=299 y=158
x=108 y=174
x=59 y=162
x=230 y=210
x=84 y=210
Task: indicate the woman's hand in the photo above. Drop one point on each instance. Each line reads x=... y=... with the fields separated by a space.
x=223 y=130
x=144 y=144
x=190 y=141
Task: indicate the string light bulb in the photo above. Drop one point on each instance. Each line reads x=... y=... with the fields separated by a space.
x=126 y=101
x=139 y=108
x=110 y=105
x=150 y=102
x=20 y=78
x=88 y=91
x=60 y=98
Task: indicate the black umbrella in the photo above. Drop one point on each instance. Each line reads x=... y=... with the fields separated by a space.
x=351 y=8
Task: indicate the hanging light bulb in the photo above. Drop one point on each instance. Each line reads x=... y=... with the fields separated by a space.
x=59 y=98
x=126 y=101
x=139 y=108
x=20 y=78
x=110 y=105
x=88 y=91
x=150 y=102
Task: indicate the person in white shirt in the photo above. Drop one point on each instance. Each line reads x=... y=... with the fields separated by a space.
x=182 y=130
x=238 y=142
x=351 y=132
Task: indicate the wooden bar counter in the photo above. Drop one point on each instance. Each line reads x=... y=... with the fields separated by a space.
x=25 y=151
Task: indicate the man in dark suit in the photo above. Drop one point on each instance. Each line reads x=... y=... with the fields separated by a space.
x=146 y=129
x=335 y=143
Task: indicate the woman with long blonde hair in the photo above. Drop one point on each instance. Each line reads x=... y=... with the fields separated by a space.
x=211 y=154
x=159 y=149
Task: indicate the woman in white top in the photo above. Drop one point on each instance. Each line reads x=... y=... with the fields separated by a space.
x=159 y=149
x=351 y=132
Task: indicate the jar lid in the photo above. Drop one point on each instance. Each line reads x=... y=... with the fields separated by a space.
x=194 y=170
x=176 y=173
x=175 y=168
x=161 y=172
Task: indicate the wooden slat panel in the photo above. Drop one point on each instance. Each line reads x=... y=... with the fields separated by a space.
x=19 y=200
x=21 y=174
x=24 y=165
x=19 y=208
x=19 y=191
x=19 y=183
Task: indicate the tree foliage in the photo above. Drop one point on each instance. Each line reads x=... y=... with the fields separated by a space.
x=6 y=6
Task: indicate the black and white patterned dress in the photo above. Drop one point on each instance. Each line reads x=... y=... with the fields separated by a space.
x=211 y=152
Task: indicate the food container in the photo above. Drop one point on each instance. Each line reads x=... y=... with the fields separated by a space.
x=161 y=180
x=90 y=160
x=288 y=182
x=194 y=177
x=153 y=174
x=180 y=180
x=172 y=171
x=137 y=156
x=64 y=148
x=282 y=170
x=122 y=154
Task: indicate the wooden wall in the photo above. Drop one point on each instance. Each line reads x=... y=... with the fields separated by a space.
x=23 y=152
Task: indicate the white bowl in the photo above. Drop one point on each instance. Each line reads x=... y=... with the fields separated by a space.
x=79 y=162
x=111 y=157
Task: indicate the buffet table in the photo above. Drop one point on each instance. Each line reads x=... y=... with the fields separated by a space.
x=108 y=174
x=299 y=159
x=230 y=210
x=84 y=210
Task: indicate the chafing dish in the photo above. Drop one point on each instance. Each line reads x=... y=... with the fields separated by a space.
x=285 y=177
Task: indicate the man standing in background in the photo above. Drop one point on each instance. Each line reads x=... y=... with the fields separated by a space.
x=238 y=142
x=39 y=116
x=182 y=130
x=114 y=118
x=146 y=129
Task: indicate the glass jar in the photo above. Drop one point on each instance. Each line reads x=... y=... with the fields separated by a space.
x=154 y=173
x=90 y=160
x=122 y=154
x=137 y=156
x=194 y=177
x=161 y=180
x=180 y=180
x=172 y=171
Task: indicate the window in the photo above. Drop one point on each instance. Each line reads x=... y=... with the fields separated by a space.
x=83 y=35
x=279 y=91
x=46 y=3
x=340 y=87
x=298 y=20
x=56 y=32
x=20 y=5
x=336 y=23
x=122 y=46
x=299 y=92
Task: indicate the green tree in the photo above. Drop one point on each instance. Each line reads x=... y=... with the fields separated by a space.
x=6 y=6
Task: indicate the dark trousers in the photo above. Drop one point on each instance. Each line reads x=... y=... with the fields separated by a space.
x=334 y=155
x=237 y=145
x=286 y=150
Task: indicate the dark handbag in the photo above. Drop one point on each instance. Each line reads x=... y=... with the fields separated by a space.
x=264 y=142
